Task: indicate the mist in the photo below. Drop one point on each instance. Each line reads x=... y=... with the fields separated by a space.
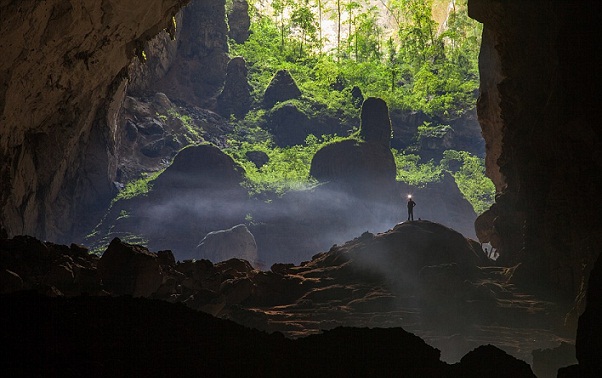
x=288 y=229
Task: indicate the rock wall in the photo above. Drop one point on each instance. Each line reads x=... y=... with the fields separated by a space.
x=197 y=75
x=540 y=91
x=62 y=78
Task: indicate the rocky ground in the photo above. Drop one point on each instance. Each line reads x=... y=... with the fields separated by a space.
x=419 y=276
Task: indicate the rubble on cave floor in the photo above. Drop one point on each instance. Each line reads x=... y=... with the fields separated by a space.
x=420 y=276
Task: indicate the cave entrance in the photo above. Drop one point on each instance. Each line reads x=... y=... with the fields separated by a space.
x=288 y=82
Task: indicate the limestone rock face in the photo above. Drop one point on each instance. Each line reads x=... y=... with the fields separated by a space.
x=235 y=242
x=62 y=77
x=199 y=68
x=160 y=53
x=281 y=88
x=239 y=21
x=539 y=91
x=235 y=98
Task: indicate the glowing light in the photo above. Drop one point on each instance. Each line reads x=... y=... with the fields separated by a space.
x=409 y=196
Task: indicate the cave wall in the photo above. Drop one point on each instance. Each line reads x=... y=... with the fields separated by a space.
x=62 y=77
x=538 y=109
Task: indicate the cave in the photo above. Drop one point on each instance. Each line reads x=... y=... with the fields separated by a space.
x=66 y=71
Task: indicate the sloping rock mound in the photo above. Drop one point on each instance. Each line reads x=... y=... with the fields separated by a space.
x=235 y=98
x=200 y=167
x=490 y=361
x=198 y=193
x=226 y=244
x=281 y=88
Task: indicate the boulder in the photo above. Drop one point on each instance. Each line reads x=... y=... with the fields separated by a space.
x=363 y=168
x=235 y=98
x=236 y=242
x=289 y=125
x=367 y=168
x=200 y=167
x=10 y=282
x=357 y=96
x=259 y=158
x=166 y=258
x=281 y=88
x=129 y=269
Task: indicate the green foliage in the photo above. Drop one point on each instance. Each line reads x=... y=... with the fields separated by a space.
x=412 y=172
x=137 y=187
x=192 y=134
x=287 y=169
x=468 y=171
x=427 y=130
x=470 y=177
x=415 y=68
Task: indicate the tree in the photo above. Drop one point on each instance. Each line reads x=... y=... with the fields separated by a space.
x=303 y=18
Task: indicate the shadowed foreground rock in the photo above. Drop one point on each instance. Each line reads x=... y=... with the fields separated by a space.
x=124 y=337
x=419 y=276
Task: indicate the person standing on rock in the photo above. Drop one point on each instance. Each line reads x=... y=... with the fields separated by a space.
x=411 y=205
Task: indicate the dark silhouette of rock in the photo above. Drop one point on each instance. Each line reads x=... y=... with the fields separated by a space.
x=363 y=168
x=547 y=362
x=375 y=121
x=259 y=158
x=419 y=275
x=589 y=333
x=102 y=337
x=239 y=21
x=546 y=213
x=356 y=96
x=235 y=98
x=281 y=88
x=27 y=263
x=200 y=167
x=129 y=269
x=10 y=281
x=223 y=245
x=166 y=258
x=289 y=125
x=490 y=361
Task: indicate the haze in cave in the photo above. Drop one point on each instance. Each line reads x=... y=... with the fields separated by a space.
x=219 y=188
